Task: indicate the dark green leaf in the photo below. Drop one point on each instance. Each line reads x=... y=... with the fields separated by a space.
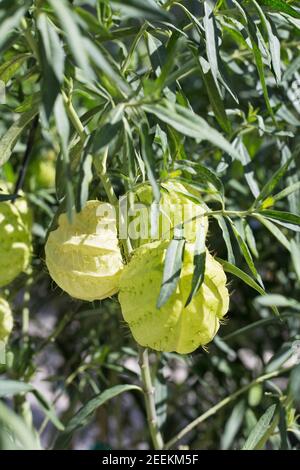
x=280 y=6
x=281 y=216
x=199 y=262
x=10 y=137
x=82 y=417
x=273 y=181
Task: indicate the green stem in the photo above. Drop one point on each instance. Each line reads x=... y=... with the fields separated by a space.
x=74 y=116
x=100 y=165
x=149 y=399
x=221 y=404
x=228 y=213
x=30 y=39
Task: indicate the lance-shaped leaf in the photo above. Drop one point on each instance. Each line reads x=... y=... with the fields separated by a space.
x=199 y=262
x=273 y=181
x=260 y=429
x=10 y=138
x=190 y=124
x=172 y=270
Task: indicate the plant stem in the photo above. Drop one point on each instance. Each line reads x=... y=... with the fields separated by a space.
x=30 y=39
x=100 y=166
x=149 y=399
x=74 y=116
x=222 y=403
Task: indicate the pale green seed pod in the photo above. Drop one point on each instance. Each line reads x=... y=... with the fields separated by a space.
x=15 y=241
x=41 y=172
x=179 y=204
x=84 y=258
x=173 y=327
x=6 y=320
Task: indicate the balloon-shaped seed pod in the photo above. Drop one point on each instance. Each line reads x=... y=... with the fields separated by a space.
x=6 y=320
x=179 y=204
x=83 y=257
x=15 y=240
x=173 y=327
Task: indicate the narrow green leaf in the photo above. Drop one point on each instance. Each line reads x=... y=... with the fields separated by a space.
x=245 y=251
x=281 y=7
x=85 y=178
x=10 y=20
x=273 y=181
x=199 y=262
x=274 y=43
x=201 y=173
x=21 y=433
x=48 y=410
x=246 y=161
x=252 y=31
x=250 y=239
x=64 y=181
x=281 y=216
x=295 y=252
x=53 y=63
x=190 y=124
x=285 y=352
x=99 y=58
x=9 y=388
x=52 y=47
x=222 y=223
x=233 y=425
x=8 y=197
x=278 y=300
x=144 y=8
x=260 y=429
x=82 y=417
x=68 y=23
x=147 y=155
x=214 y=95
x=275 y=231
x=172 y=270
x=230 y=268
x=211 y=40
x=12 y=65
x=286 y=192
x=10 y=137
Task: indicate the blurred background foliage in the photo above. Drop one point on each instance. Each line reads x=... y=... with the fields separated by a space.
x=206 y=91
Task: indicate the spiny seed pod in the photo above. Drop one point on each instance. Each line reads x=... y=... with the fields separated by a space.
x=15 y=242
x=179 y=203
x=6 y=320
x=83 y=257
x=173 y=327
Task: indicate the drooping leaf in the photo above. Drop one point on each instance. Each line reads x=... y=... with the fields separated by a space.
x=190 y=124
x=199 y=262
x=172 y=269
x=11 y=136
x=84 y=414
x=260 y=429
